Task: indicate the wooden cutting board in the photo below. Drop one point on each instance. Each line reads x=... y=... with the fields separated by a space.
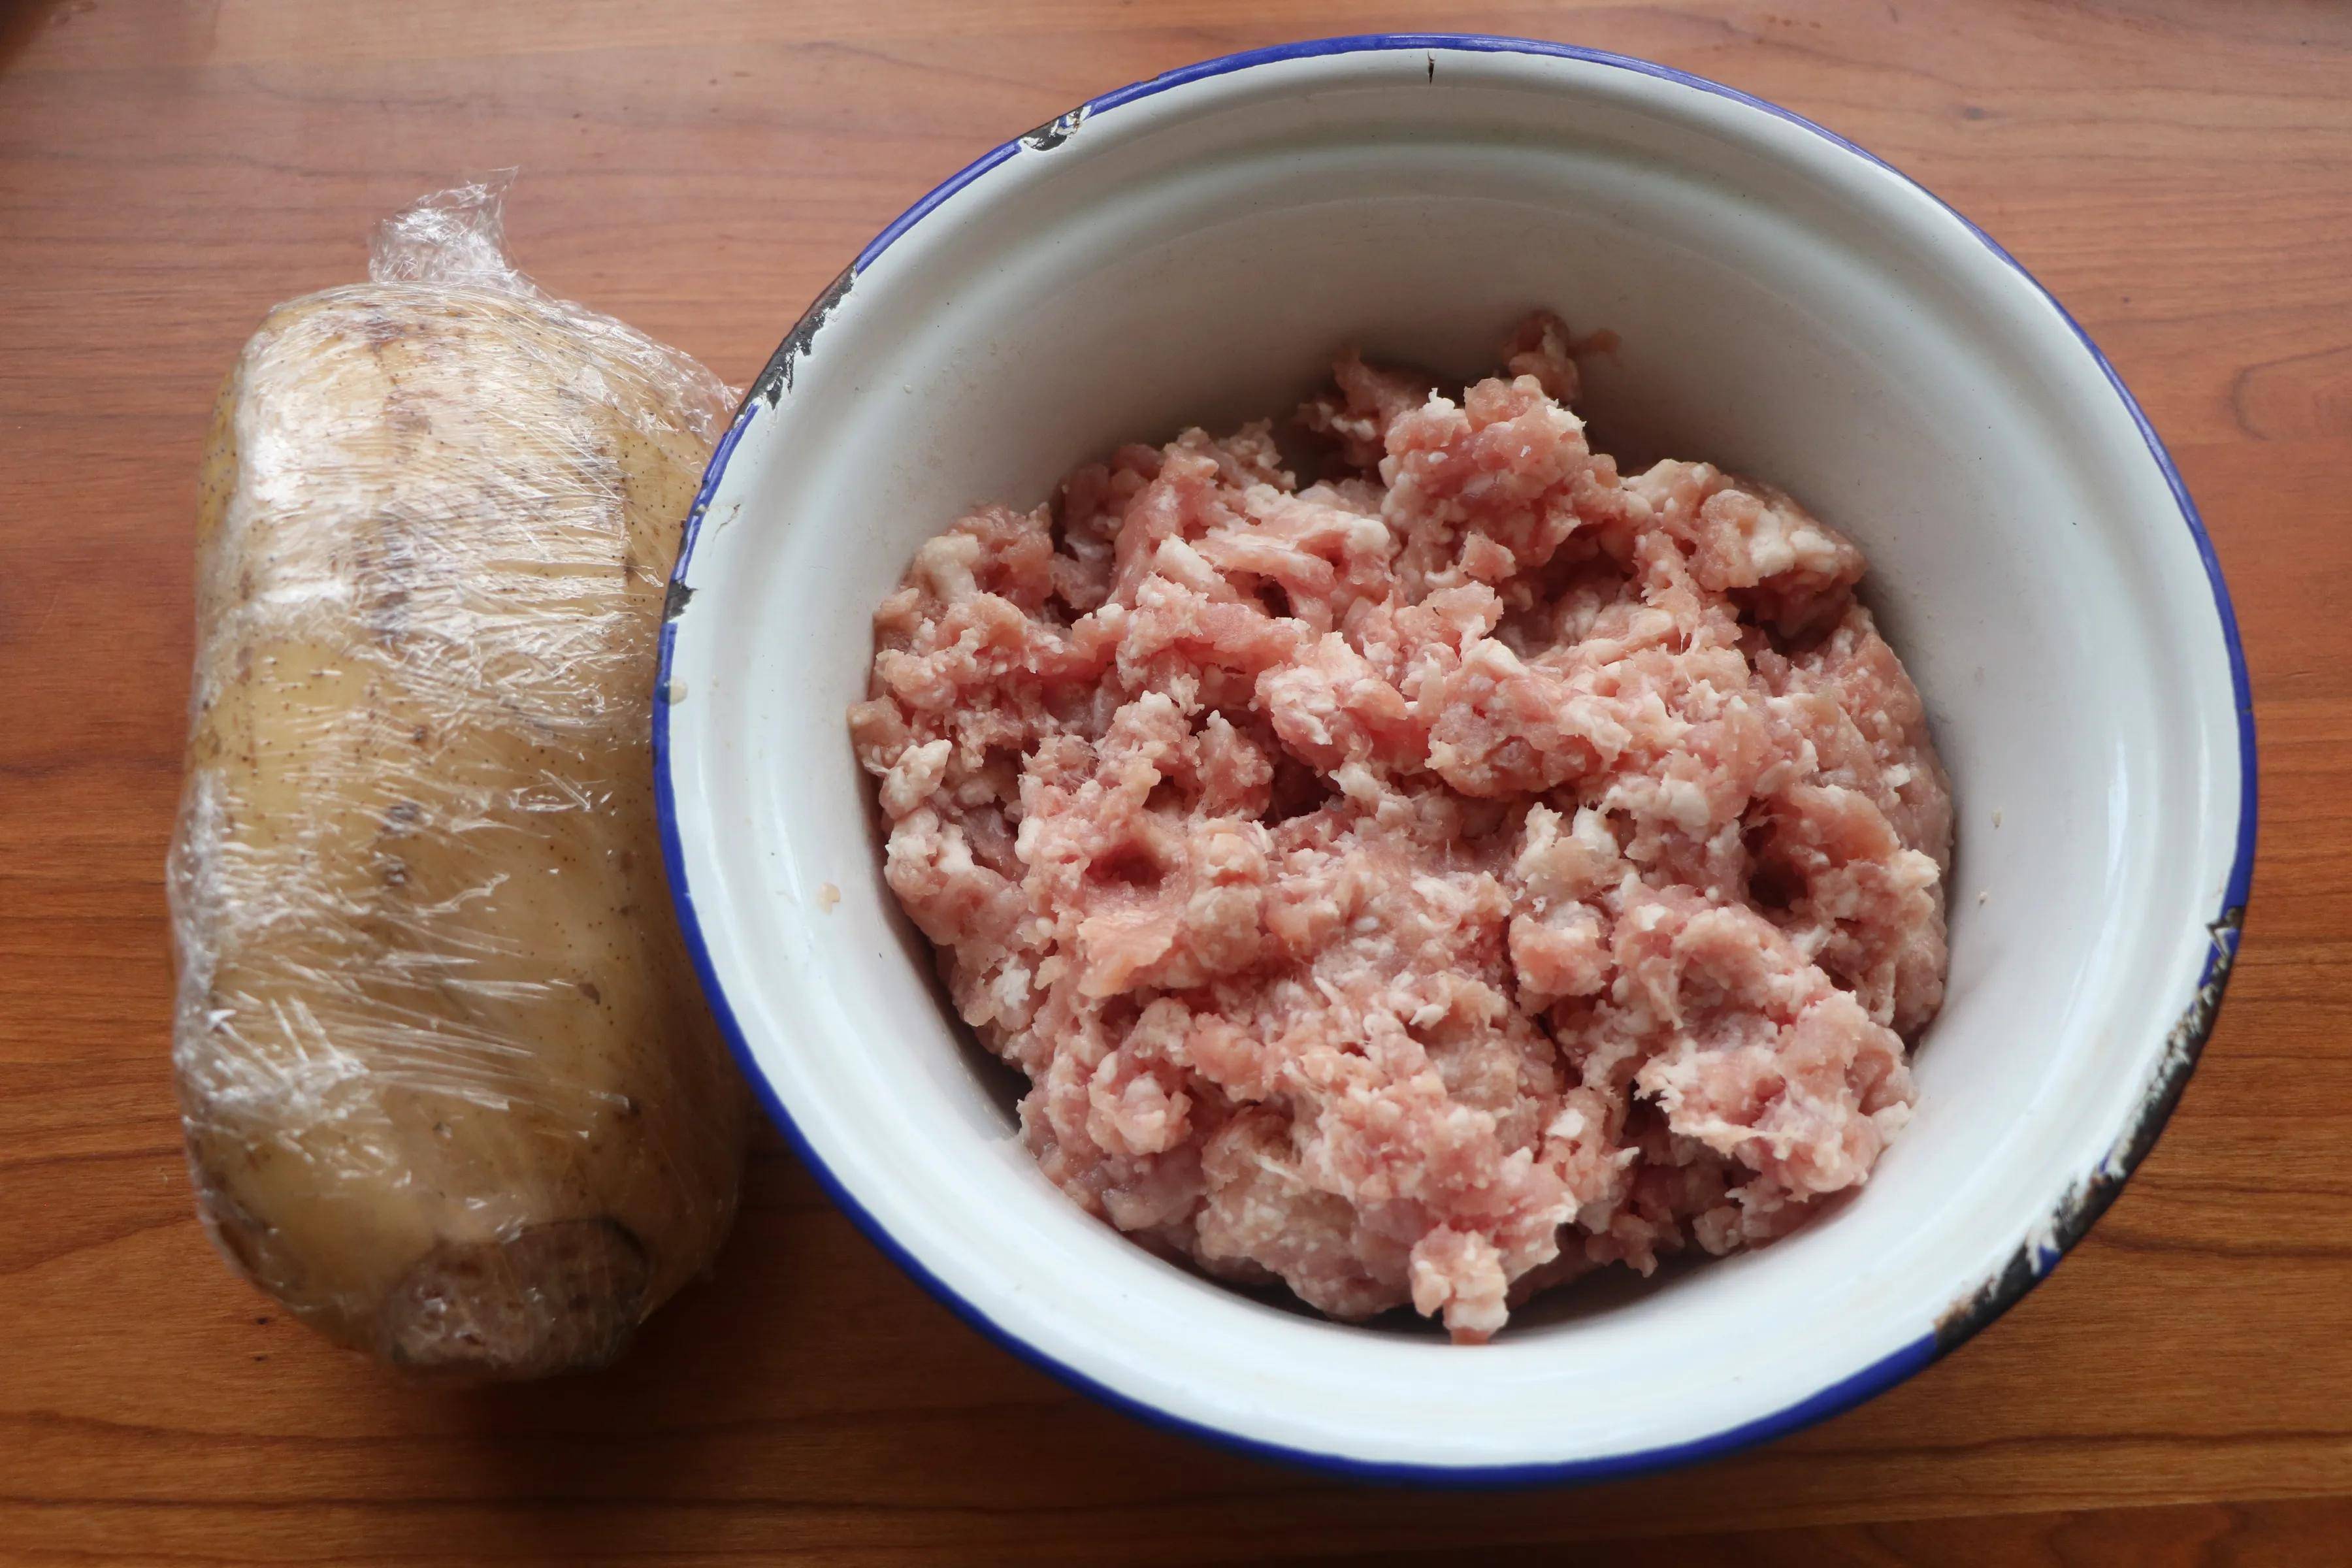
x=2179 y=171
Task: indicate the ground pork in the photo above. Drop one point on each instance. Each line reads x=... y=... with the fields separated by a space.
x=1427 y=883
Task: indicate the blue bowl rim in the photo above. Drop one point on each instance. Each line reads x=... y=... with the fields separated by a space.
x=2069 y=1221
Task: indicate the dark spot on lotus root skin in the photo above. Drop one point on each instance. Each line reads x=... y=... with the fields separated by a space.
x=588 y=989
x=380 y=328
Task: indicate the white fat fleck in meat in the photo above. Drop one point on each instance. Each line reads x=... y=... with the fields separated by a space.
x=918 y=772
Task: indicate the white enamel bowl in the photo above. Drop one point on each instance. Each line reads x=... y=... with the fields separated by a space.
x=1192 y=249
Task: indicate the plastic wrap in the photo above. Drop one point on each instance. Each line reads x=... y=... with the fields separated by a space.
x=450 y=1090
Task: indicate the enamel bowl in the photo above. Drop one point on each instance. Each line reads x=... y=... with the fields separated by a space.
x=1193 y=249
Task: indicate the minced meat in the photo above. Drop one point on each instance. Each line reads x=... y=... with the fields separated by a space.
x=1424 y=884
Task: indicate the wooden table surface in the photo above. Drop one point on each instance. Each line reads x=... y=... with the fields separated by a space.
x=2180 y=172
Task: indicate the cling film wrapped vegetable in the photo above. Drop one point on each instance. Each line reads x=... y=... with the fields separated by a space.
x=450 y=1090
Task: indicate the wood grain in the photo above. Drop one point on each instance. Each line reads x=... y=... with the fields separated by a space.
x=2180 y=1392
